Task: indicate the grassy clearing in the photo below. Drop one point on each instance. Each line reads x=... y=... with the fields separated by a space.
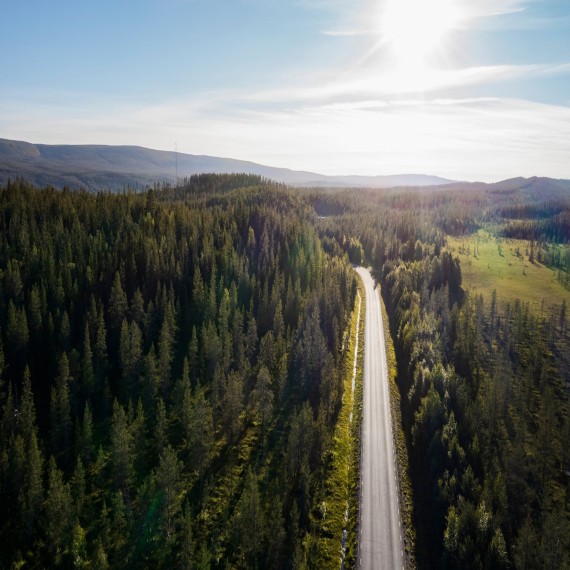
x=488 y=263
x=341 y=484
x=404 y=482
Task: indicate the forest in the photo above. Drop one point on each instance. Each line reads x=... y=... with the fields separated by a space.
x=484 y=383
x=171 y=373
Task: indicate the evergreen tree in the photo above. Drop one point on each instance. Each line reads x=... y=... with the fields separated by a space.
x=118 y=304
x=58 y=508
x=60 y=409
x=121 y=448
x=166 y=348
x=130 y=355
x=85 y=444
x=32 y=492
x=169 y=484
x=87 y=372
x=262 y=398
x=186 y=554
x=200 y=433
x=249 y=522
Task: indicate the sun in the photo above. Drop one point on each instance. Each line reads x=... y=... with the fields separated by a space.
x=414 y=30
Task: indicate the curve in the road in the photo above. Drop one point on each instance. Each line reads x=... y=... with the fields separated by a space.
x=380 y=529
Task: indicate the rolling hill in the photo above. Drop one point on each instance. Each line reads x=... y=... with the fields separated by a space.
x=97 y=167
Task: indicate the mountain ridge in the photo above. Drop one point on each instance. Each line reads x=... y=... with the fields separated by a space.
x=110 y=167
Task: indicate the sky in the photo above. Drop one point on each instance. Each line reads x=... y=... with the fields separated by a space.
x=464 y=89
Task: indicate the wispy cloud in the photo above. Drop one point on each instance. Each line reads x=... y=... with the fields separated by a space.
x=394 y=83
x=368 y=118
x=473 y=138
x=489 y=8
x=347 y=33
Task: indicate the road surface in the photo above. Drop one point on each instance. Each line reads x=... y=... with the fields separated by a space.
x=380 y=530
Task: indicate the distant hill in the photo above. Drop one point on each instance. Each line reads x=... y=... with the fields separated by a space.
x=97 y=167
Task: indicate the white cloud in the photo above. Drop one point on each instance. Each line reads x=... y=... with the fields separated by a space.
x=490 y=8
x=391 y=83
x=474 y=139
x=347 y=33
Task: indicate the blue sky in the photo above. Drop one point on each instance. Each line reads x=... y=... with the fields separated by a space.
x=467 y=89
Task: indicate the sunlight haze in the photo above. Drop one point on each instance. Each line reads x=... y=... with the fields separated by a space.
x=459 y=89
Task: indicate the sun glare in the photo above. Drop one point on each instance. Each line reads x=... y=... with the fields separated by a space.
x=414 y=30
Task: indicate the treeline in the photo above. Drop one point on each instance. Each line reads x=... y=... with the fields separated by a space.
x=488 y=419
x=484 y=389
x=525 y=211
x=170 y=375
x=555 y=228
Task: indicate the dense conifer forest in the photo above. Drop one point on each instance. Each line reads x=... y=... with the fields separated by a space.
x=171 y=367
x=170 y=375
x=484 y=384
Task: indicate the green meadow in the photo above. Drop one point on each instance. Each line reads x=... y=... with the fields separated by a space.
x=489 y=262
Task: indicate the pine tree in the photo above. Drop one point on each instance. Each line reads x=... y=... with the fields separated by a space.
x=119 y=527
x=16 y=467
x=35 y=311
x=151 y=381
x=87 y=373
x=169 y=483
x=32 y=488
x=198 y=296
x=100 y=561
x=78 y=550
x=65 y=332
x=85 y=444
x=137 y=311
x=161 y=427
x=233 y=406
x=201 y=432
x=58 y=510
x=238 y=342
x=262 y=398
x=138 y=432
x=17 y=335
x=275 y=532
x=60 y=410
x=121 y=448
x=13 y=280
x=180 y=387
x=130 y=355
x=78 y=487
x=101 y=360
x=249 y=522
x=27 y=417
x=166 y=348
x=185 y=539
x=118 y=305
x=211 y=348
x=194 y=357
x=251 y=340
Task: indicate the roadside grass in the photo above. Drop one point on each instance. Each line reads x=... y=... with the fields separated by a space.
x=340 y=489
x=489 y=263
x=224 y=489
x=355 y=433
x=404 y=481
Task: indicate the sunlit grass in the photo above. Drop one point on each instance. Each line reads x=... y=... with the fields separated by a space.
x=341 y=482
x=489 y=263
